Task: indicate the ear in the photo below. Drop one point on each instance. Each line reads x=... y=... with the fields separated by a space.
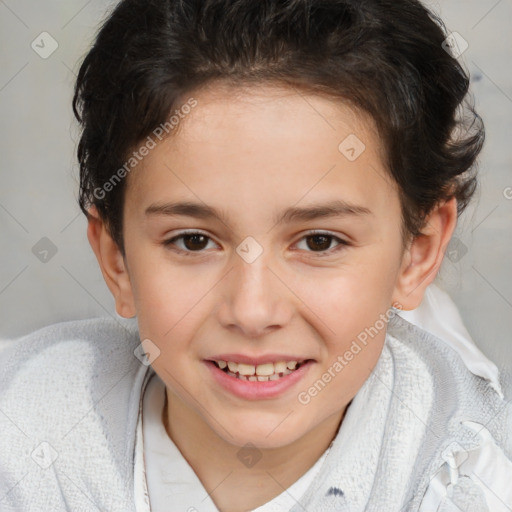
x=423 y=257
x=112 y=264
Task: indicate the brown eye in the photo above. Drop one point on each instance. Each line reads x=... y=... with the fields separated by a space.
x=195 y=242
x=319 y=242
x=190 y=242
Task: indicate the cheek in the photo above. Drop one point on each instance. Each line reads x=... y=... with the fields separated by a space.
x=351 y=297
x=171 y=300
x=350 y=315
x=160 y=291
x=349 y=309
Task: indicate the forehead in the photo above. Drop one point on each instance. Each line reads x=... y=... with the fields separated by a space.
x=265 y=145
x=264 y=116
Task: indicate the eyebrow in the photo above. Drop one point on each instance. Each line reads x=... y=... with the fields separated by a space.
x=336 y=208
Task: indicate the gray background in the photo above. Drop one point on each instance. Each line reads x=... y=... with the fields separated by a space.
x=39 y=175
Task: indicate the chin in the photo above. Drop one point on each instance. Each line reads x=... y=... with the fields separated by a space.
x=268 y=434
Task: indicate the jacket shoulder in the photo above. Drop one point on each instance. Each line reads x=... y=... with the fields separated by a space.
x=442 y=361
x=69 y=398
x=54 y=353
x=469 y=440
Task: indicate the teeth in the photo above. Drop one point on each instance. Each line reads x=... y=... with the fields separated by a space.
x=265 y=369
x=279 y=367
x=261 y=372
x=245 y=369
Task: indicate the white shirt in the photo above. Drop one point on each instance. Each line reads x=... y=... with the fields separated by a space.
x=165 y=481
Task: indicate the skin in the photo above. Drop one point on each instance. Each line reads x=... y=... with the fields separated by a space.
x=252 y=154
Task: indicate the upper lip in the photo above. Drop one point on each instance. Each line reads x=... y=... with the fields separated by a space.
x=256 y=360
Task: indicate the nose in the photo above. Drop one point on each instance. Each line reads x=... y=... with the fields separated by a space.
x=255 y=300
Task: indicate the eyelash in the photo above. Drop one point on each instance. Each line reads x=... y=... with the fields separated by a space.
x=341 y=243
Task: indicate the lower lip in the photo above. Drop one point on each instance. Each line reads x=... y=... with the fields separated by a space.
x=256 y=390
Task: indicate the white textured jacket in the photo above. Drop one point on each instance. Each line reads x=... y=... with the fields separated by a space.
x=423 y=434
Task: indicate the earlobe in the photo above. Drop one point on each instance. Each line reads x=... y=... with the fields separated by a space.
x=422 y=259
x=112 y=264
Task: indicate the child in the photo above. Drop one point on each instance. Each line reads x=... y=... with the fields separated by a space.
x=315 y=153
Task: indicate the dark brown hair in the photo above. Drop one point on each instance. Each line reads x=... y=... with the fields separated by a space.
x=385 y=57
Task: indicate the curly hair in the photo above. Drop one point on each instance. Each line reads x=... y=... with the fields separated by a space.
x=387 y=58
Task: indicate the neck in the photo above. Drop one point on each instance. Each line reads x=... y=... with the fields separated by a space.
x=237 y=478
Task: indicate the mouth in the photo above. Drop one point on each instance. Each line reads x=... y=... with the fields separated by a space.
x=258 y=377
x=264 y=372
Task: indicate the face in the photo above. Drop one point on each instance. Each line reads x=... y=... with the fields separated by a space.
x=301 y=257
